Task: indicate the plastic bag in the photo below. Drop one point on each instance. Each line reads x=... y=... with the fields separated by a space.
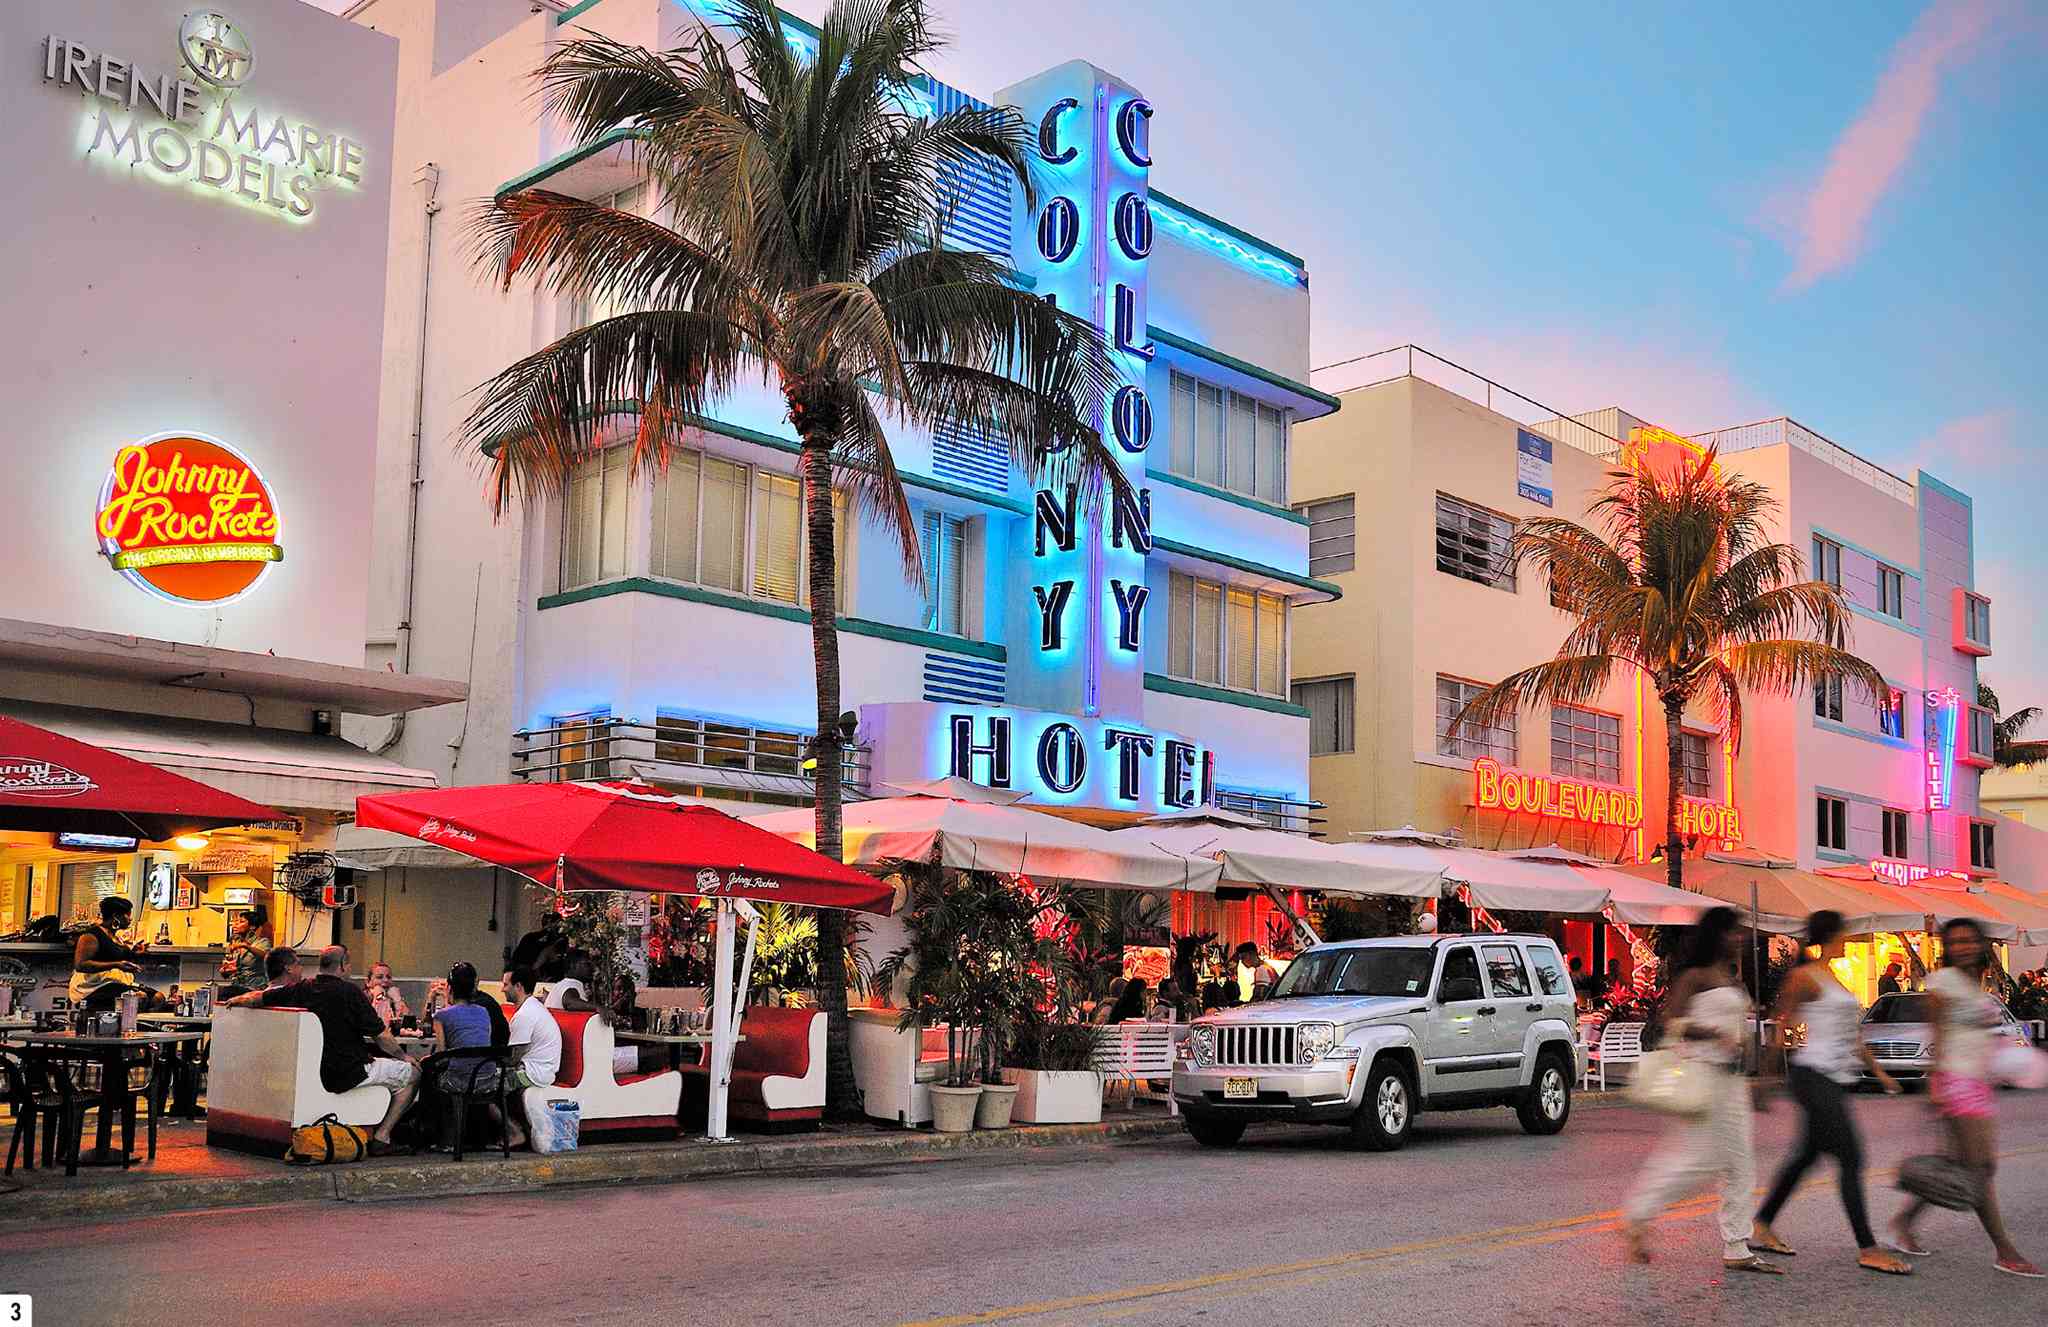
x=557 y=1128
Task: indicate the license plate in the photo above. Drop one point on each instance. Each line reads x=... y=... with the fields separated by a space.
x=1240 y=1089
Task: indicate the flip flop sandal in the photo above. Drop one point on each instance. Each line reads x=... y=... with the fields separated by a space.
x=1911 y=1248
x=1752 y=1264
x=1773 y=1244
x=1897 y=1268
x=2019 y=1268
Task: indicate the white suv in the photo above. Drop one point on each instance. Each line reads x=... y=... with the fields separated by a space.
x=1365 y=1033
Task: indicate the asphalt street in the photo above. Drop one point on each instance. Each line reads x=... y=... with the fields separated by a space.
x=1474 y=1223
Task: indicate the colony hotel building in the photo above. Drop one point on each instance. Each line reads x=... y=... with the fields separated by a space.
x=1125 y=664
x=1413 y=492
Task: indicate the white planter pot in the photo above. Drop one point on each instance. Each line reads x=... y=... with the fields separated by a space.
x=953 y=1108
x=993 y=1110
x=1056 y=1096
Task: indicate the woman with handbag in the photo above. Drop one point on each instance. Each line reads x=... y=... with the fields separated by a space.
x=1966 y=1022
x=1704 y=1016
x=1820 y=1073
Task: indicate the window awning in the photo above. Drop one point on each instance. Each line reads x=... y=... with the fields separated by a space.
x=296 y=771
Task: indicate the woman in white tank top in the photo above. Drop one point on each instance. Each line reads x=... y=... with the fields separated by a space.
x=1820 y=1074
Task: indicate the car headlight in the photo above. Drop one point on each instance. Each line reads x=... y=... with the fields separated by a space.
x=1202 y=1041
x=1312 y=1041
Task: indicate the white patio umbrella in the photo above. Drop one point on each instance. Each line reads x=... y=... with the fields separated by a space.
x=1639 y=902
x=1254 y=854
x=1494 y=879
x=981 y=836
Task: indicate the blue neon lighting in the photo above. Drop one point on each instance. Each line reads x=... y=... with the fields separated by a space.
x=1229 y=246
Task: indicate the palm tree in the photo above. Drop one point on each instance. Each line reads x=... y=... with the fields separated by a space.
x=2007 y=750
x=802 y=204
x=1682 y=584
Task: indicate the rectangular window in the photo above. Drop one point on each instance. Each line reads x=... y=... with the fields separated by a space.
x=582 y=746
x=1696 y=763
x=1332 y=534
x=1895 y=834
x=1891 y=716
x=1472 y=740
x=81 y=887
x=1983 y=849
x=1827 y=698
x=1585 y=744
x=1891 y=592
x=1226 y=635
x=1227 y=440
x=1831 y=823
x=944 y=541
x=594 y=520
x=1505 y=971
x=1549 y=972
x=778 y=537
x=1827 y=561
x=586 y=310
x=1472 y=543
x=1983 y=734
x=1977 y=619
x=1330 y=705
x=728 y=526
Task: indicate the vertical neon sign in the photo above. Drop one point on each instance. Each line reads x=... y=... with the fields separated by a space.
x=1944 y=709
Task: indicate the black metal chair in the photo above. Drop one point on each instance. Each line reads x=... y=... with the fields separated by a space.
x=44 y=1095
x=477 y=1076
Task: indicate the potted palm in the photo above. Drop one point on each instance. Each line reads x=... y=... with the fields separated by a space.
x=937 y=963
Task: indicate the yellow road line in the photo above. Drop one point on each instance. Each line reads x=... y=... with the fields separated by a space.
x=1539 y=1232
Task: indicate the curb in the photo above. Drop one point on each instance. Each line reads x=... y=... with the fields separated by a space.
x=614 y=1164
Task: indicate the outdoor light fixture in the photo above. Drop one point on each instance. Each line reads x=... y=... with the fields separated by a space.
x=191 y=842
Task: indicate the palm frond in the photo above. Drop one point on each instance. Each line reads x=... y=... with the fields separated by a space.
x=1567 y=680
x=1785 y=667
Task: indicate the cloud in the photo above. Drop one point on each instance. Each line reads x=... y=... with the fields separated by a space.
x=1830 y=219
x=1979 y=442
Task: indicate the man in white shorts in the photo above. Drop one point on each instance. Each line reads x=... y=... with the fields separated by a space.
x=355 y=1048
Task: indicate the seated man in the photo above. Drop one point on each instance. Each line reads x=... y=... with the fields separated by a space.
x=351 y=1038
x=534 y=1035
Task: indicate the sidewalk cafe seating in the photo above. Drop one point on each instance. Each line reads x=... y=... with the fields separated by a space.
x=53 y=1091
x=895 y=1069
x=476 y=1076
x=778 y=1070
x=635 y=1104
x=1139 y=1052
x=1620 y=1043
x=264 y=1081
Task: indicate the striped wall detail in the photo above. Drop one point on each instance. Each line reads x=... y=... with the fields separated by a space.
x=970 y=457
x=957 y=677
x=981 y=218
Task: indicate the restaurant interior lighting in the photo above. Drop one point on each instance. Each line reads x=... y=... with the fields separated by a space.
x=191 y=842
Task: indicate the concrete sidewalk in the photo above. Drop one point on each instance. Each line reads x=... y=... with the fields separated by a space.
x=188 y=1175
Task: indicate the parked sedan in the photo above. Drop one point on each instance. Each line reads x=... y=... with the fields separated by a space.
x=1901 y=1039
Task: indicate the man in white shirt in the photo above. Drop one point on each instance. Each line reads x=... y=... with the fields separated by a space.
x=533 y=1034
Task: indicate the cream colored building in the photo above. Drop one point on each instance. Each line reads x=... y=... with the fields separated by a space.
x=2020 y=793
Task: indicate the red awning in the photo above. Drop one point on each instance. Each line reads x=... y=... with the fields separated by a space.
x=621 y=836
x=54 y=784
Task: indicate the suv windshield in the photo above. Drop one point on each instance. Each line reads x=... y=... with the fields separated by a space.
x=1899 y=1009
x=1385 y=971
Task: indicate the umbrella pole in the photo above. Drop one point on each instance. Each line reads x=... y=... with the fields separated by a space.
x=1756 y=971
x=721 y=1027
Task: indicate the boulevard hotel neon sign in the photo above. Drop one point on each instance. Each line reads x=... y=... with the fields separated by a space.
x=1497 y=788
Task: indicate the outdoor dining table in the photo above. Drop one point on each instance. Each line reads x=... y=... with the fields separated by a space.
x=184 y=1103
x=675 y=1041
x=111 y=1052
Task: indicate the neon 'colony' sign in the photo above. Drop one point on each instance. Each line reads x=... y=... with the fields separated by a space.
x=277 y=165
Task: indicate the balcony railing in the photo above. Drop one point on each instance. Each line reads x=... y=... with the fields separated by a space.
x=1415 y=362
x=700 y=757
x=1790 y=432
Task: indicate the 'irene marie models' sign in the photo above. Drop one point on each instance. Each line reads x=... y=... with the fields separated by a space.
x=186 y=127
x=187 y=518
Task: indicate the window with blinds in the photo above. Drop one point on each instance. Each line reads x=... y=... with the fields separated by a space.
x=1473 y=543
x=1471 y=740
x=1226 y=635
x=942 y=538
x=778 y=538
x=733 y=527
x=1330 y=702
x=1227 y=440
x=586 y=310
x=594 y=520
x=1696 y=764
x=1585 y=744
x=1332 y=534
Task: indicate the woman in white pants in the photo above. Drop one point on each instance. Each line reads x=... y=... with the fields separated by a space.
x=1706 y=1009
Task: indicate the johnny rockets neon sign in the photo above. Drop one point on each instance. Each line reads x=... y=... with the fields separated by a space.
x=1495 y=788
x=187 y=518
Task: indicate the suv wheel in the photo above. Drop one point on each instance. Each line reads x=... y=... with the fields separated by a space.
x=1214 y=1130
x=1548 y=1103
x=1388 y=1111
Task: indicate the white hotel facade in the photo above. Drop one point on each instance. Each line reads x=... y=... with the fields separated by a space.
x=657 y=625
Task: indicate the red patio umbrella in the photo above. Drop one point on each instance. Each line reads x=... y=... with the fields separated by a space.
x=53 y=784
x=622 y=836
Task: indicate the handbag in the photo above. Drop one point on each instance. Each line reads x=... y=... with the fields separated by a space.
x=2014 y=1065
x=327 y=1141
x=1673 y=1083
x=1937 y=1178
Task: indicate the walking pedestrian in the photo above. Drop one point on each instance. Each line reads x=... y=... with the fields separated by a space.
x=1966 y=1022
x=1704 y=1013
x=1819 y=1074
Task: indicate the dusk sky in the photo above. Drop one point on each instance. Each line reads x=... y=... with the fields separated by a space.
x=1704 y=214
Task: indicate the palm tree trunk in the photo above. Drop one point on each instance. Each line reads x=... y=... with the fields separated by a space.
x=842 y=1094
x=1674 y=778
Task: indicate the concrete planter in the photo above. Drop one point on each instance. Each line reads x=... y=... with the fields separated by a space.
x=993 y=1110
x=1056 y=1096
x=953 y=1108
